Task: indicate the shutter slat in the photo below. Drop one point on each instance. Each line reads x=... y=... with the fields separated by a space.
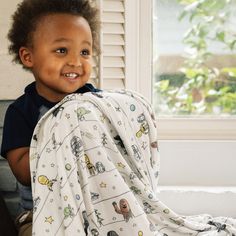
x=113 y=6
x=113 y=51
x=117 y=73
x=113 y=39
x=113 y=83
x=113 y=17
x=113 y=28
x=114 y=62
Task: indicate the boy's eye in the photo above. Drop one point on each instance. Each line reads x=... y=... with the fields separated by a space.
x=85 y=52
x=61 y=50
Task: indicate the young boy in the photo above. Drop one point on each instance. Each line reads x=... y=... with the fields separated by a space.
x=93 y=156
x=54 y=39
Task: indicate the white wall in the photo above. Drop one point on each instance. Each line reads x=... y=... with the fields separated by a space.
x=13 y=78
x=198 y=176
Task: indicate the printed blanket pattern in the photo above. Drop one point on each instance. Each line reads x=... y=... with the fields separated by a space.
x=94 y=165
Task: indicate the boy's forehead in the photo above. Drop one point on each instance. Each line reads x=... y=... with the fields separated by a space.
x=58 y=19
x=61 y=25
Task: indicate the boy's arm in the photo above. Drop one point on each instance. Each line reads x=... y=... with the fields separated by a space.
x=18 y=160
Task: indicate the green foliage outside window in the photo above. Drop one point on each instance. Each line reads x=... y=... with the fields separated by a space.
x=199 y=88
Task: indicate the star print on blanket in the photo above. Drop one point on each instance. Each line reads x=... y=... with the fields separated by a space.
x=94 y=165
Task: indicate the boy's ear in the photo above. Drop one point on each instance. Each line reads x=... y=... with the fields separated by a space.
x=26 y=57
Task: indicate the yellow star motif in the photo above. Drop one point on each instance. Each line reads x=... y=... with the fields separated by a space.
x=102 y=118
x=103 y=185
x=121 y=165
x=65 y=197
x=49 y=219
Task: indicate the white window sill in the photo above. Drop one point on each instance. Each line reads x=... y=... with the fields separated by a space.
x=196 y=128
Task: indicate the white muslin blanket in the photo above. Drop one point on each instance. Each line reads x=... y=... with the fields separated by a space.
x=94 y=165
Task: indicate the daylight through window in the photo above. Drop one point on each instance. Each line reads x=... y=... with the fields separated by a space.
x=194 y=66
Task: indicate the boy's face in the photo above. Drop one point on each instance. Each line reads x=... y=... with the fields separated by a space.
x=61 y=55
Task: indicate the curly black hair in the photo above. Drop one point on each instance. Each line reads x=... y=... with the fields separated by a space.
x=30 y=12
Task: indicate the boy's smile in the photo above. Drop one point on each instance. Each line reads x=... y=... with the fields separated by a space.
x=60 y=56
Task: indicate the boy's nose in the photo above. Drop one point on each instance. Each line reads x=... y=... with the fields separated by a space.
x=74 y=61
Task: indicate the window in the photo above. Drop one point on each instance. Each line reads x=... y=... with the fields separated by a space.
x=170 y=127
x=194 y=90
x=194 y=58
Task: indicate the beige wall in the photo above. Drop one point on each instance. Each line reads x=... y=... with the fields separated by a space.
x=13 y=78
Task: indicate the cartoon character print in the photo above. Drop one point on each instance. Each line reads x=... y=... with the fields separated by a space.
x=76 y=146
x=154 y=145
x=100 y=167
x=91 y=168
x=99 y=218
x=135 y=190
x=123 y=209
x=104 y=139
x=94 y=232
x=81 y=112
x=148 y=209
x=112 y=233
x=42 y=179
x=144 y=128
x=69 y=212
x=94 y=196
x=219 y=226
x=136 y=152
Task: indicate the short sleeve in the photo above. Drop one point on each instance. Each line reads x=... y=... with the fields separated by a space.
x=16 y=131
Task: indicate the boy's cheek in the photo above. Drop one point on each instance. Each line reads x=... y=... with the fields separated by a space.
x=88 y=66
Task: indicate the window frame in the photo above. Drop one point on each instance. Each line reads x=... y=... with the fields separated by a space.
x=139 y=76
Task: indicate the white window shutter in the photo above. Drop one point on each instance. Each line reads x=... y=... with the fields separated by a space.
x=109 y=71
x=125 y=41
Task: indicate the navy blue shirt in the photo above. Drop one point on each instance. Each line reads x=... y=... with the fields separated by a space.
x=20 y=120
x=23 y=114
